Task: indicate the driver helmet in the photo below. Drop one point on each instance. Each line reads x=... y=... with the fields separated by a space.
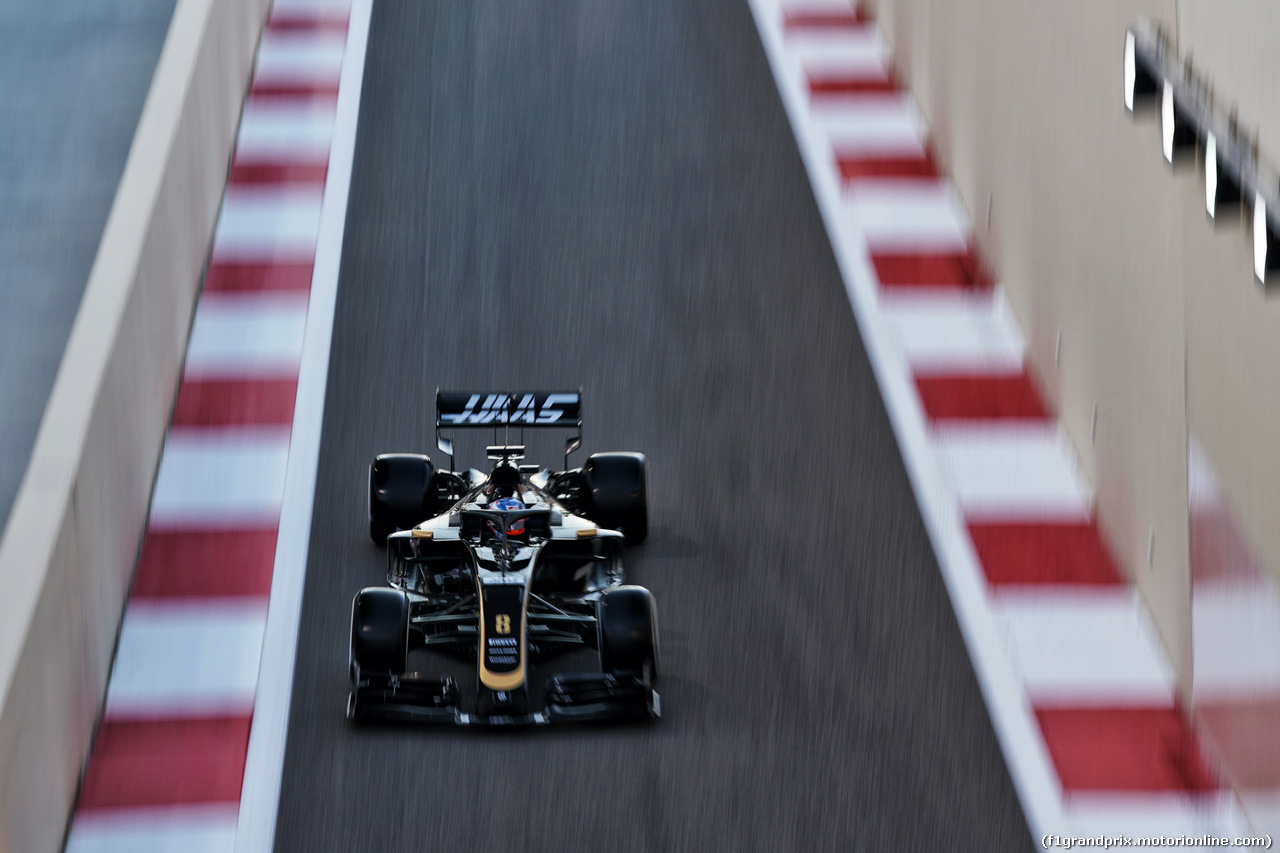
x=509 y=505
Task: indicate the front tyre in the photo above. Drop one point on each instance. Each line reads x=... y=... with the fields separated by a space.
x=379 y=633
x=628 y=622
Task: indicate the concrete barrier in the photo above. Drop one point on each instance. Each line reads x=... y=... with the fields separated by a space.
x=71 y=542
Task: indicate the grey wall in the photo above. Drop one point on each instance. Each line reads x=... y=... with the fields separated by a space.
x=70 y=546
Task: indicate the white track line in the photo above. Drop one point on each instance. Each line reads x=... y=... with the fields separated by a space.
x=284 y=7
x=877 y=126
x=1142 y=814
x=212 y=478
x=167 y=829
x=299 y=57
x=830 y=109
x=1093 y=645
x=1014 y=471
x=857 y=53
x=1235 y=629
x=278 y=129
x=267 y=223
x=264 y=766
x=246 y=335
x=187 y=658
x=963 y=334
x=921 y=216
x=812 y=6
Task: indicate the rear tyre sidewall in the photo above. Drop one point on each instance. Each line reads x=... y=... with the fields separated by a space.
x=618 y=486
x=635 y=528
x=401 y=493
x=380 y=528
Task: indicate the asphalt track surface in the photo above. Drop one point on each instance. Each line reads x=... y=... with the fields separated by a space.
x=554 y=194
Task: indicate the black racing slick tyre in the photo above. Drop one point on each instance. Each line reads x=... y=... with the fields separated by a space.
x=379 y=632
x=401 y=493
x=618 y=486
x=628 y=623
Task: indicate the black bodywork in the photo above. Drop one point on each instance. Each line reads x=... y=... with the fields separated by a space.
x=529 y=602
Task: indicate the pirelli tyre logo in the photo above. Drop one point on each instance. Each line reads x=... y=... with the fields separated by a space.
x=527 y=409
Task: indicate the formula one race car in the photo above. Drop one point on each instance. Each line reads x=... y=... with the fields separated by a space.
x=507 y=589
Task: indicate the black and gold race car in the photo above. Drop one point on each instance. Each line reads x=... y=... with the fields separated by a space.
x=506 y=601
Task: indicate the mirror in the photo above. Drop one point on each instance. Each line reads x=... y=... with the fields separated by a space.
x=572 y=443
x=445 y=444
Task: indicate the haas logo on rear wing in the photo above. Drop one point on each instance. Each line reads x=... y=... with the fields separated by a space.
x=522 y=408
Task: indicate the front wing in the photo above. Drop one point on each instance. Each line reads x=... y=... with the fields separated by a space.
x=570 y=697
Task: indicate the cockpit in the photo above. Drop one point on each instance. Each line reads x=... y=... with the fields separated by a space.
x=504 y=523
x=506 y=508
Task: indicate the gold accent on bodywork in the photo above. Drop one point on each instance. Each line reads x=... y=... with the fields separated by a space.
x=503 y=680
x=584 y=532
x=422 y=534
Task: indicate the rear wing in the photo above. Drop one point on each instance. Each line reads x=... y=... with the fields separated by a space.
x=508 y=410
x=466 y=409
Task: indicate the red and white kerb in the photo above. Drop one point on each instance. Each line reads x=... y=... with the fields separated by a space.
x=168 y=764
x=1077 y=684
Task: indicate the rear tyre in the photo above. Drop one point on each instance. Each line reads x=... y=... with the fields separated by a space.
x=618 y=493
x=380 y=527
x=379 y=632
x=401 y=493
x=628 y=623
x=635 y=525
